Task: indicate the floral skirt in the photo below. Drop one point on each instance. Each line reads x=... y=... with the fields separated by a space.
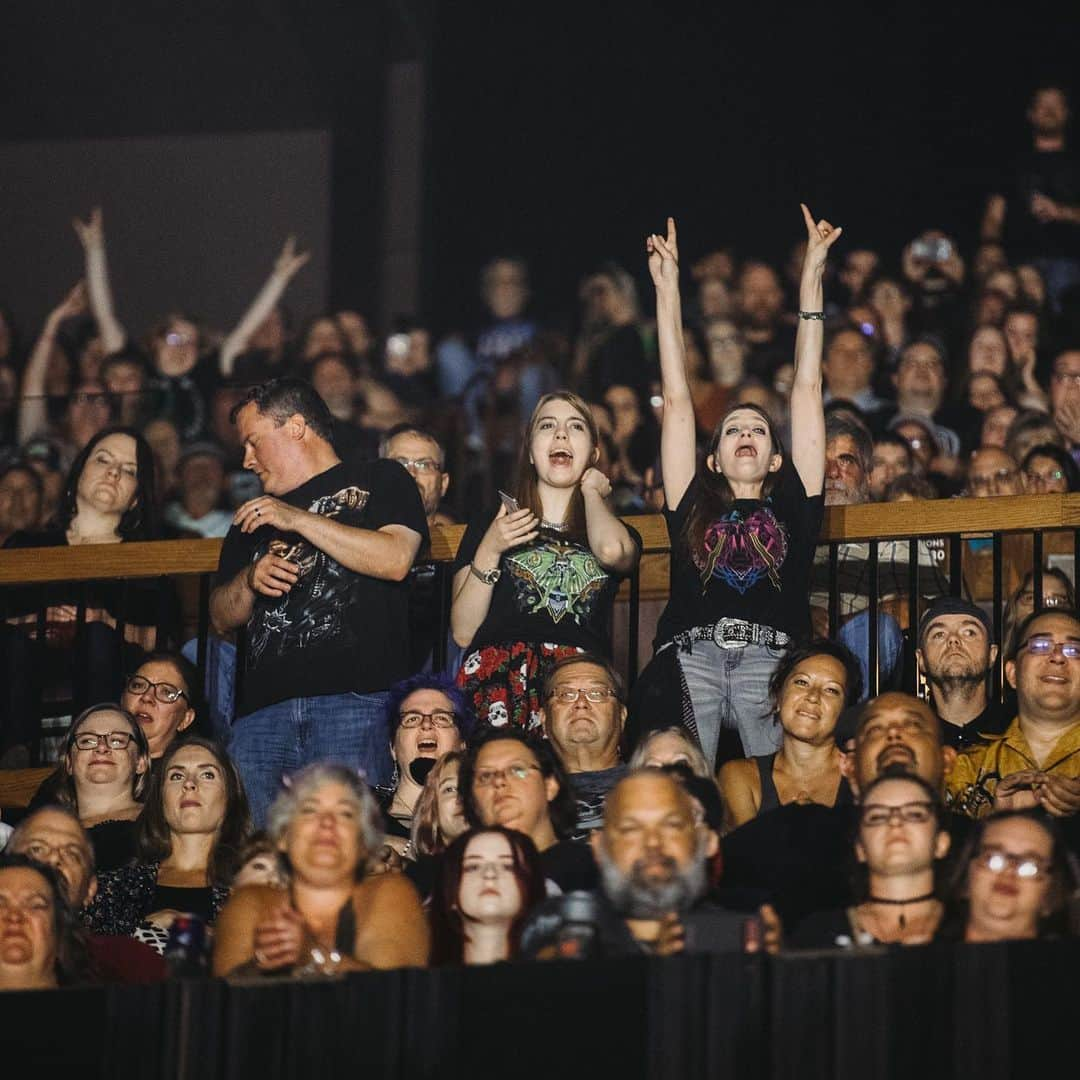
x=505 y=683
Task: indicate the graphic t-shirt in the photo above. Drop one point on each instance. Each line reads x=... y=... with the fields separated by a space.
x=754 y=563
x=336 y=630
x=552 y=590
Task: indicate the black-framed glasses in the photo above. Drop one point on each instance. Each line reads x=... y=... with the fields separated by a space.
x=569 y=694
x=165 y=692
x=113 y=740
x=440 y=718
x=874 y=815
x=1043 y=646
x=997 y=861
x=487 y=777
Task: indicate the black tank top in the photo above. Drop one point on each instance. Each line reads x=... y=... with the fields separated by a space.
x=770 y=798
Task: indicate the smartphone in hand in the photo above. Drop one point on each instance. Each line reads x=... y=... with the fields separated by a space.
x=509 y=502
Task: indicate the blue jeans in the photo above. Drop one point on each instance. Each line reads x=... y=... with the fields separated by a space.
x=854 y=634
x=220 y=684
x=729 y=688
x=346 y=728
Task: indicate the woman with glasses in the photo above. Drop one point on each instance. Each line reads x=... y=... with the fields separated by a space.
x=190 y=836
x=162 y=695
x=103 y=775
x=538 y=581
x=333 y=917
x=490 y=881
x=899 y=840
x=1014 y=880
x=427 y=716
x=1057 y=591
x=742 y=525
x=1048 y=469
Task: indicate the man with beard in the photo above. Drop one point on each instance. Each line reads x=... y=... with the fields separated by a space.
x=957 y=654
x=653 y=854
x=1036 y=761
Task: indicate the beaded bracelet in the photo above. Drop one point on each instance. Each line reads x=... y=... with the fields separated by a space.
x=812 y=315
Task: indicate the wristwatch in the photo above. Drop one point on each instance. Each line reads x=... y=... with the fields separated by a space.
x=488 y=577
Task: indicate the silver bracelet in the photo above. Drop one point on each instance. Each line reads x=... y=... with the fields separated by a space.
x=812 y=315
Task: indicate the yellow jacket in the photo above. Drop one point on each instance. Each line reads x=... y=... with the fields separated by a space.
x=974 y=777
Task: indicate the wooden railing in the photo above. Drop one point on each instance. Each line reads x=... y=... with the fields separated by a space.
x=195 y=561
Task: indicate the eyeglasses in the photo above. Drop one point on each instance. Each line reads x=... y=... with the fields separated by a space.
x=481 y=866
x=993 y=481
x=43 y=852
x=569 y=694
x=178 y=339
x=1023 y=866
x=439 y=718
x=1044 y=478
x=1041 y=646
x=1049 y=599
x=875 y=815
x=487 y=777
x=165 y=692
x=420 y=465
x=1068 y=377
x=113 y=740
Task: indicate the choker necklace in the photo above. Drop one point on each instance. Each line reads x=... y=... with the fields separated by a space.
x=902 y=903
x=555 y=526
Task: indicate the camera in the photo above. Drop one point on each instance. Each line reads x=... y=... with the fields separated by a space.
x=934 y=250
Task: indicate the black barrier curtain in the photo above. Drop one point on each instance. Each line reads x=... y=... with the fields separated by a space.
x=992 y=1012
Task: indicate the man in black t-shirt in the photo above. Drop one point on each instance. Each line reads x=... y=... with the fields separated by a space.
x=315 y=570
x=1035 y=208
x=957 y=652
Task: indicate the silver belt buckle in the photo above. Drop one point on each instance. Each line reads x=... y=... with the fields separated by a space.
x=720 y=634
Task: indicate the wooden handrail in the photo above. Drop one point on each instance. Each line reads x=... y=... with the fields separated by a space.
x=873 y=521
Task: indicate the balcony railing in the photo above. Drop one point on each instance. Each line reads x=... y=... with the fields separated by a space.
x=1014 y=533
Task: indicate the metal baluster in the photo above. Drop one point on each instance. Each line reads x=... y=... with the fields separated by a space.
x=81 y=666
x=1037 y=568
x=442 y=591
x=202 y=635
x=910 y=642
x=873 y=659
x=834 y=589
x=999 y=667
x=633 y=629
x=956 y=569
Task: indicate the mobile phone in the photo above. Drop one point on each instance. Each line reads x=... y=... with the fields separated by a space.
x=937 y=249
x=509 y=502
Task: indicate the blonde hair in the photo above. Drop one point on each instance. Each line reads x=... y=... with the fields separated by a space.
x=426 y=836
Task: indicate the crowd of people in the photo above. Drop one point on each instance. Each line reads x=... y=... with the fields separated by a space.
x=341 y=805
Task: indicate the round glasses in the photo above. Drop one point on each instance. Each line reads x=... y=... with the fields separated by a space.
x=1023 y=866
x=113 y=740
x=440 y=718
x=165 y=692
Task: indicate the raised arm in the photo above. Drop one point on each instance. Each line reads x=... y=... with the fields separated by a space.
x=609 y=538
x=33 y=409
x=678 y=446
x=91 y=234
x=807 y=411
x=285 y=268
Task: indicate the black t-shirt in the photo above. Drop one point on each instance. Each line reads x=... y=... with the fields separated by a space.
x=551 y=590
x=1055 y=174
x=590 y=791
x=138 y=603
x=993 y=720
x=570 y=866
x=755 y=564
x=335 y=631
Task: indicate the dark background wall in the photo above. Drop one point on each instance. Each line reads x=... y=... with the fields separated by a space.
x=562 y=131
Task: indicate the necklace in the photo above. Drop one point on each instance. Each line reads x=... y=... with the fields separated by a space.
x=902 y=903
x=556 y=526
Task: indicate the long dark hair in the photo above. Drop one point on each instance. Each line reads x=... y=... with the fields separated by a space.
x=154 y=836
x=526 y=490
x=714 y=496
x=139 y=521
x=448 y=925
x=853 y=683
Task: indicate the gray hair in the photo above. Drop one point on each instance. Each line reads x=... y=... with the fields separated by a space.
x=841 y=422
x=300 y=785
x=695 y=758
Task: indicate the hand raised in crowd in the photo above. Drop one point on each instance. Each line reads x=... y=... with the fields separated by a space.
x=820 y=236
x=1067 y=413
x=1044 y=209
x=664 y=257
x=272 y=575
x=509 y=530
x=290 y=260
x=75 y=303
x=594 y=480
x=280 y=939
x=91 y=233
x=266 y=510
